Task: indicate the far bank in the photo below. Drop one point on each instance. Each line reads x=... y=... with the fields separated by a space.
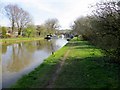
x=17 y=40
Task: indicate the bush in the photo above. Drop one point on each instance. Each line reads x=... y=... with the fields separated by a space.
x=102 y=28
x=4 y=32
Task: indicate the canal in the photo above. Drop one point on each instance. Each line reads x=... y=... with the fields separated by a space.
x=20 y=59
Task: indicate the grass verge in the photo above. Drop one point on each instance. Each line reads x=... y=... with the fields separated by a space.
x=84 y=67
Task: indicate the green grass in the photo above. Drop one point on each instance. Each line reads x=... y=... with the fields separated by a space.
x=85 y=67
x=88 y=73
x=17 y=40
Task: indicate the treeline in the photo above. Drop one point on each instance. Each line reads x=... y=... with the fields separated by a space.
x=22 y=24
x=102 y=28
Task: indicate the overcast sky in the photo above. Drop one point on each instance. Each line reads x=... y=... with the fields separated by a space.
x=66 y=11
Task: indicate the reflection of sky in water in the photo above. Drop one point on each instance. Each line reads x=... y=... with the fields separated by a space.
x=21 y=59
x=60 y=42
x=8 y=76
x=7 y=55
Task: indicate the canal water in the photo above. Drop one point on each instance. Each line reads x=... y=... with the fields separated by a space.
x=20 y=59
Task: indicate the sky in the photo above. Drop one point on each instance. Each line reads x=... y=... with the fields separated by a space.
x=66 y=11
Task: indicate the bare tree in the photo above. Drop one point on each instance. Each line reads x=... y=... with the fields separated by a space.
x=51 y=25
x=10 y=13
x=22 y=19
x=18 y=17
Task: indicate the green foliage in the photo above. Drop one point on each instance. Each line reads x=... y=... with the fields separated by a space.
x=29 y=31
x=102 y=28
x=4 y=32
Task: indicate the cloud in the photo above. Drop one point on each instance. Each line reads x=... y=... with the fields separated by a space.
x=74 y=10
x=66 y=11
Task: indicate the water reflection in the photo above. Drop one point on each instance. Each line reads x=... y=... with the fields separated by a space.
x=0 y=67
x=20 y=59
x=4 y=48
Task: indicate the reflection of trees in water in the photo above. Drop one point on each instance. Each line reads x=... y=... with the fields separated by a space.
x=20 y=58
x=53 y=46
x=50 y=46
x=46 y=45
x=41 y=44
x=30 y=46
x=22 y=53
x=4 y=49
x=0 y=52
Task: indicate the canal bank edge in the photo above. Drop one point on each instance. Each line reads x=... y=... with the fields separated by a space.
x=85 y=67
x=17 y=40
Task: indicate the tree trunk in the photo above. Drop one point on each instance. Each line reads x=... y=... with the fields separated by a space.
x=13 y=26
x=19 y=32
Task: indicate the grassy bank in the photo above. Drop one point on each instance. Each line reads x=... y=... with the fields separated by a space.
x=17 y=40
x=85 y=67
